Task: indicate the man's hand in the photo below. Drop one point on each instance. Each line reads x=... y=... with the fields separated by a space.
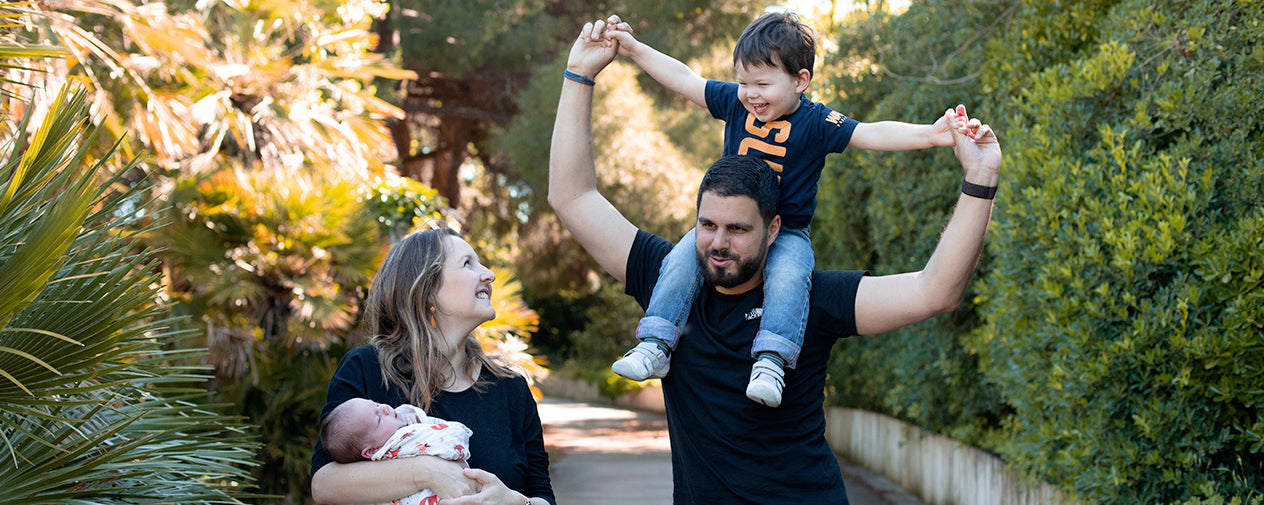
x=976 y=147
x=599 y=227
x=888 y=302
x=592 y=50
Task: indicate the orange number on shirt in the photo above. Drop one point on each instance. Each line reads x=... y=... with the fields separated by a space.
x=783 y=132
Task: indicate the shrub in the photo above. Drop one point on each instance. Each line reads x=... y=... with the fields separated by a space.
x=1113 y=332
x=1123 y=303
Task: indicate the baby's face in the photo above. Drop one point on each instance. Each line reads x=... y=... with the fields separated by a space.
x=378 y=420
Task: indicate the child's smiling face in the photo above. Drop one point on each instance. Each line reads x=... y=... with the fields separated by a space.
x=770 y=92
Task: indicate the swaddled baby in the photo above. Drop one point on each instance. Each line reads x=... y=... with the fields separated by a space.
x=361 y=429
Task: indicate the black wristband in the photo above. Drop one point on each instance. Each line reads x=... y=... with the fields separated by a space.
x=977 y=191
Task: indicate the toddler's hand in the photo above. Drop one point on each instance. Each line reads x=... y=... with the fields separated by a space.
x=959 y=120
x=614 y=24
x=941 y=131
x=620 y=33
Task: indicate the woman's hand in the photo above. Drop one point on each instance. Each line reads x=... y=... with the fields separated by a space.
x=447 y=479
x=491 y=491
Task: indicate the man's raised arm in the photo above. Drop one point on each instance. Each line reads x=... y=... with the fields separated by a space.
x=894 y=301
x=594 y=222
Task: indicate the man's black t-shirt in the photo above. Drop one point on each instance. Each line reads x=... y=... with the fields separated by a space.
x=725 y=447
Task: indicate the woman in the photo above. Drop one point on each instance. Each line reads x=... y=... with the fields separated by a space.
x=429 y=295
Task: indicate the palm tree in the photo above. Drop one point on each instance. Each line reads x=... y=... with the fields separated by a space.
x=258 y=120
x=95 y=403
x=266 y=85
x=263 y=137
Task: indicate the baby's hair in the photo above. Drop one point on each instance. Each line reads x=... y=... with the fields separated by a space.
x=777 y=38
x=335 y=433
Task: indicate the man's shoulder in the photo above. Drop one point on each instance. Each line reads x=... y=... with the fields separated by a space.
x=829 y=283
x=648 y=248
x=833 y=299
x=831 y=277
x=644 y=261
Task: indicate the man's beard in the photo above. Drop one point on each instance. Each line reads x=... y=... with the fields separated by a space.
x=746 y=269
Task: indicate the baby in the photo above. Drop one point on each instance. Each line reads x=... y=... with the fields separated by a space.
x=361 y=429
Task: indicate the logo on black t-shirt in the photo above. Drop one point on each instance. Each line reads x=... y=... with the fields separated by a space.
x=755 y=313
x=835 y=118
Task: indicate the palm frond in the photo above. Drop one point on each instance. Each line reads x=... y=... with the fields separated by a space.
x=25 y=205
x=94 y=407
x=16 y=51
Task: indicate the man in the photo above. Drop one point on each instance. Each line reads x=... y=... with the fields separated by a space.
x=726 y=449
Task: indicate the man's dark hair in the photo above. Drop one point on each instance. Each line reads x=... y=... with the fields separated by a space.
x=743 y=175
x=778 y=34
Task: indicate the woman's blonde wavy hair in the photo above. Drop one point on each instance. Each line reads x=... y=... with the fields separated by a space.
x=400 y=314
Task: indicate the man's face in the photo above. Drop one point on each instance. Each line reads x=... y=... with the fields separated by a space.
x=732 y=242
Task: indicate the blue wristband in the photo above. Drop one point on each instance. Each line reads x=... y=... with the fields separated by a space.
x=578 y=78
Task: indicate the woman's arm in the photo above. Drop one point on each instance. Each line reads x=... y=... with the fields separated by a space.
x=539 y=485
x=383 y=481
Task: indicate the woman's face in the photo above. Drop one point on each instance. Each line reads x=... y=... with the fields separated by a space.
x=465 y=288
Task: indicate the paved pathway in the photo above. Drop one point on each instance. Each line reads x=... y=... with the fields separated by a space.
x=608 y=456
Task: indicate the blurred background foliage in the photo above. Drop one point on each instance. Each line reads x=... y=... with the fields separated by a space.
x=1111 y=343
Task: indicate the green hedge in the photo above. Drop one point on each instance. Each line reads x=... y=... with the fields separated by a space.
x=884 y=211
x=1112 y=342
